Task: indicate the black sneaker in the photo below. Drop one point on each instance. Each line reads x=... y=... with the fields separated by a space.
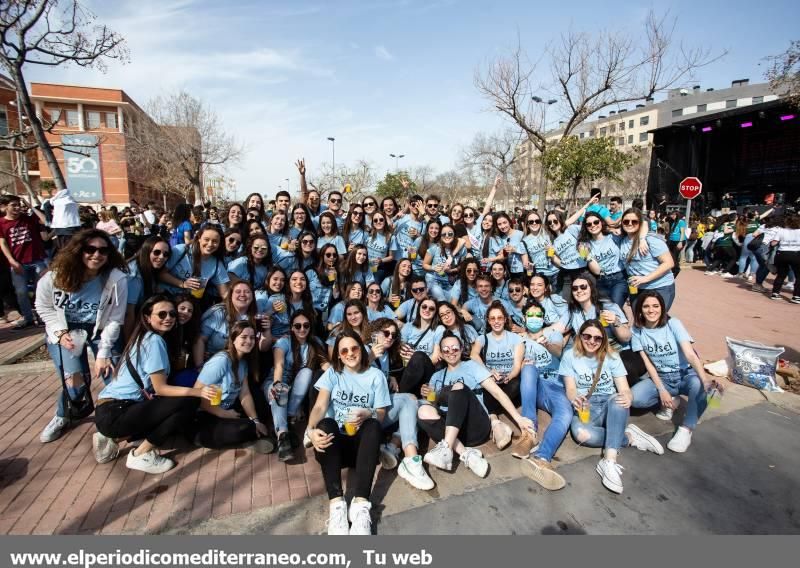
x=775 y=296
x=795 y=299
x=285 y=451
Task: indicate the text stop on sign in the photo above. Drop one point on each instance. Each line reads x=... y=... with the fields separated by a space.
x=690 y=188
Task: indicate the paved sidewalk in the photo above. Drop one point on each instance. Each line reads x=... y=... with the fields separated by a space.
x=58 y=487
x=15 y=344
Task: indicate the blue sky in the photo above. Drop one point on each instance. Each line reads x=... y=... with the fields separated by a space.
x=389 y=76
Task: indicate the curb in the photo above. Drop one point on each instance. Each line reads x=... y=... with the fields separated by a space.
x=22 y=351
x=26 y=368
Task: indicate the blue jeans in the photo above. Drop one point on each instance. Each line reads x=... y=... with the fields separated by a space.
x=686 y=381
x=667 y=292
x=438 y=291
x=606 y=426
x=550 y=396
x=403 y=412
x=746 y=255
x=614 y=287
x=299 y=389
x=30 y=274
x=76 y=365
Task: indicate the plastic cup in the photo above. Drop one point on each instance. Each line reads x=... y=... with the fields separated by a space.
x=529 y=272
x=282 y=394
x=198 y=292
x=584 y=253
x=412 y=253
x=714 y=398
x=584 y=414
x=217 y=400
x=603 y=321
x=350 y=426
x=331 y=276
x=279 y=306
x=395 y=304
x=551 y=252
x=78 y=337
x=633 y=290
x=431 y=394
x=373 y=266
x=285 y=245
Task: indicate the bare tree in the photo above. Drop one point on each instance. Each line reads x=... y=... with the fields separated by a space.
x=588 y=74
x=784 y=73
x=496 y=154
x=51 y=33
x=179 y=141
x=423 y=176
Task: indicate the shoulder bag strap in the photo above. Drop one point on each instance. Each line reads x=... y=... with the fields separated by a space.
x=424 y=333
x=596 y=377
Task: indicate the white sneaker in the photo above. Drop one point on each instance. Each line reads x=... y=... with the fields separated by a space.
x=53 y=430
x=337 y=520
x=728 y=275
x=474 y=460
x=307 y=439
x=361 y=519
x=440 y=456
x=611 y=472
x=643 y=441
x=105 y=448
x=665 y=414
x=681 y=440
x=389 y=456
x=711 y=273
x=501 y=434
x=412 y=471
x=149 y=462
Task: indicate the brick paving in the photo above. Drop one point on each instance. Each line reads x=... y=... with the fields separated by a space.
x=58 y=488
x=15 y=344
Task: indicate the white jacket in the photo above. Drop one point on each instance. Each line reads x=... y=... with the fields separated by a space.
x=65 y=211
x=113 y=303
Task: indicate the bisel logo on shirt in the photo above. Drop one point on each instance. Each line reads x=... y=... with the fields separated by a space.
x=62 y=299
x=349 y=397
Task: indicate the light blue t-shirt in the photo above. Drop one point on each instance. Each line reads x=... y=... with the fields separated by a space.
x=401 y=239
x=476 y=237
x=554 y=307
x=407 y=310
x=336 y=241
x=219 y=371
x=514 y=238
x=149 y=358
x=420 y=340
x=373 y=315
x=675 y=233
x=643 y=265
x=545 y=362
x=82 y=305
x=662 y=345
x=582 y=369
x=598 y=208
x=606 y=252
x=350 y=390
x=180 y=266
x=441 y=256
x=265 y=304
x=516 y=313
x=471 y=373
x=214 y=326
x=500 y=352
x=377 y=246
x=135 y=284
x=455 y=292
x=566 y=248
x=573 y=320
x=319 y=292
x=239 y=268
x=467 y=339
x=358 y=237
x=536 y=249
x=478 y=310
x=285 y=345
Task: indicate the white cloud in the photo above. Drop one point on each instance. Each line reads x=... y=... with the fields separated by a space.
x=382 y=53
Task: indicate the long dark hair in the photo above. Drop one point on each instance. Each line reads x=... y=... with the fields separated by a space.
x=182 y=213
x=298 y=253
x=396 y=288
x=574 y=306
x=186 y=333
x=251 y=358
x=350 y=225
x=246 y=202
x=305 y=296
x=364 y=327
x=334 y=226
x=337 y=364
x=395 y=361
x=322 y=267
x=68 y=268
x=243 y=213
x=348 y=267
x=561 y=223
x=219 y=254
x=463 y=297
x=307 y=224
x=143 y=327
x=426 y=241
x=460 y=324
x=231 y=315
x=584 y=236
x=495 y=232
x=146 y=270
x=634 y=237
x=316 y=351
x=498 y=305
x=638 y=316
x=418 y=317
x=251 y=261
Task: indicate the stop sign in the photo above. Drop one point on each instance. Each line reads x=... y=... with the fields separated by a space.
x=690 y=188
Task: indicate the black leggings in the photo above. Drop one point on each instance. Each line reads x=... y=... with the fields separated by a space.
x=419 y=371
x=464 y=411
x=783 y=261
x=360 y=451
x=511 y=388
x=676 y=254
x=154 y=420
x=725 y=259
x=217 y=433
x=634 y=365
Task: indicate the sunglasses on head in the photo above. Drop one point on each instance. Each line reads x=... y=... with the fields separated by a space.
x=451 y=350
x=164 y=314
x=630 y=222
x=577 y=287
x=592 y=223
x=344 y=351
x=298 y=326
x=417 y=290
x=158 y=252
x=591 y=338
x=90 y=250
x=389 y=333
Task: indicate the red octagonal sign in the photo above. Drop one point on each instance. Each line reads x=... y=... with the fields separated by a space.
x=690 y=188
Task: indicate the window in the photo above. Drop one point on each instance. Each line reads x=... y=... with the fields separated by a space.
x=677 y=112
x=730 y=104
x=758 y=100
x=621 y=141
x=702 y=108
x=591 y=134
x=630 y=139
x=630 y=123
x=111 y=120
x=93 y=119
x=3 y=121
x=73 y=119
x=622 y=125
x=603 y=131
x=643 y=137
x=644 y=121
x=612 y=129
x=582 y=135
x=54 y=114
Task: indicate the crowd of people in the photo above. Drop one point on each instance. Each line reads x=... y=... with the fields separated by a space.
x=369 y=331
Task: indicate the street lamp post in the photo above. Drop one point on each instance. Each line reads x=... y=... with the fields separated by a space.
x=397 y=160
x=288 y=185
x=546 y=103
x=333 y=159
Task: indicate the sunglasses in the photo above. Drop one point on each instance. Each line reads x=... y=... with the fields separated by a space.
x=451 y=350
x=334 y=201
x=158 y=252
x=164 y=314
x=357 y=213
x=260 y=248
x=299 y=326
x=534 y=222
x=427 y=308
x=552 y=222
x=497 y=318
x=377 y=220
x=577 y=287
x=231 y=240
x=307 y=242
x=630 y=222
x=375 y=291
x=344 y=351
x=389 y=333
x=469 y=215
x=448 y=234
x=417 y=290
x=471 y=270
x=370 y=205
x=590 y=338
x=592 y=223
x=432 y=205
x=90 y=250
x=331 y=255
x=515 y=290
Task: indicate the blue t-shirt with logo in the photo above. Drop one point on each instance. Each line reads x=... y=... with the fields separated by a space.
x=643 y=265
x=377 y=246
x=566 y=248
x=419 y=339
x=606 y=252
x=554 y=307
x=478 y=310
x=358 y=237
x=401 y=239
x=148 y=358
x=499 y=352
x=319 y=292
x=373 y=315
x=82 y=305
x=219 y=371
x=662 y=345
x=536 y=248
x=180 y=265
x=455 y=292
x=354 y=390
x=545 y=362
x=441 y=256
x=582 y=369
x=514 y=259
x=265 y=304
x=238 y=267
x=573 y=320
x=471 y=373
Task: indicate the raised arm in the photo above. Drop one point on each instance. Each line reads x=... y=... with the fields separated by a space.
x=490 y=199
x=301 y=168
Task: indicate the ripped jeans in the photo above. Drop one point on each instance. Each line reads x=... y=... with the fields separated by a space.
x=606 y=426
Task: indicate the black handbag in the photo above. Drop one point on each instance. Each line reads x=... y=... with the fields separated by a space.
x=75 y=409
x=756 y=243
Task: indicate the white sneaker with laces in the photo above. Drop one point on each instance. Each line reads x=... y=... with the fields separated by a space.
x=474 y=460
x=337 y=519
x=412 y=471
x=53 y=430
x=389 y=456
x=681 y=440
x=440 y=456
x=360 y=518
x=611 y=473
x=501 y=434
x=665 y=414
x=728 y=275
x=149 y=462
x=640 y=440
x=105 y=448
